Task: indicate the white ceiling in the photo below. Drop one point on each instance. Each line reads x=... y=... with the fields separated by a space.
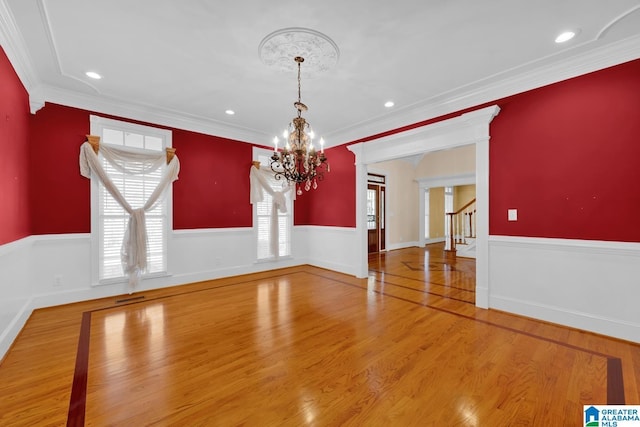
x=183 y=63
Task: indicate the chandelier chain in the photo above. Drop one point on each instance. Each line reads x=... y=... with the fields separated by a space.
x=299 y=97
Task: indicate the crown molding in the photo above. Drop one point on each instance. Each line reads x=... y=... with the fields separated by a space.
x=36 y=99
x=150 y=114
x=510 y=82
x=14 y=46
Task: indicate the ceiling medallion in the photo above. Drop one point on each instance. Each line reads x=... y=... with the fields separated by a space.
x=320 y=53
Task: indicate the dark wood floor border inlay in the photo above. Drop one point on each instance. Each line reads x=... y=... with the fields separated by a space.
x=615 y=382
x=78 y=400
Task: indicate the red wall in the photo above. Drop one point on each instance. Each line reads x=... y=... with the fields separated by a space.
x=333 y=203
x=567 y=156
x=59 y=194
x=212 y=190
x=14 y=154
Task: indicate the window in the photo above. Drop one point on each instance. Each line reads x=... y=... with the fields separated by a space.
x=109 y=219
x=263 y=212
x=448 y=208
x=372 y=205
x=448 y=199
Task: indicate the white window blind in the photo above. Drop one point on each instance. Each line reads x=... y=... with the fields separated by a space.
x=111 y=219
x=262 y=216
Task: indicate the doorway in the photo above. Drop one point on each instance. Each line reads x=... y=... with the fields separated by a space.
x=376 y=187
x=468 y=128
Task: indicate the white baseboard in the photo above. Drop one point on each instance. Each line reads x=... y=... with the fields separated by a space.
x=14 y=326
x=561 y=315
x=234 y=271
x=589 y=285
x=434 y=240
x=334 y=266
x=402 y=245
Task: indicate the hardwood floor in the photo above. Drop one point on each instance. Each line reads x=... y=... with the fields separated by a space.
x=307 y=346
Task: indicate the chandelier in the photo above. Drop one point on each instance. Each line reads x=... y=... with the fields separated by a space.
x=299 y=162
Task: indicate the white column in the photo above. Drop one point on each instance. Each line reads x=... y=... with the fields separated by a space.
x=482 y=223
x=362 y=263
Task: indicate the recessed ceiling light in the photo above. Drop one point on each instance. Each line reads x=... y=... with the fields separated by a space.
x=389 y=104
x=93 y=75
x=565 y=36
x=230 y=112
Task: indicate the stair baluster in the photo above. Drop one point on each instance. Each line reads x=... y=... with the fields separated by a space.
x=460 y=225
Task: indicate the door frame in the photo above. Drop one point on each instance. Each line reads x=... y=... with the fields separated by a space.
x=381 y=194
x=466 y=129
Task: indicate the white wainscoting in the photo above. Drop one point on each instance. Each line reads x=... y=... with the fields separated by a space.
x=333 y=248
x=43 y=271
x=207 y=254
x=15 y=290
x=590 y=285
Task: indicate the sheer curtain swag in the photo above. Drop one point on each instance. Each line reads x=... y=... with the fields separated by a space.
x=259 y=184
x=130 y=162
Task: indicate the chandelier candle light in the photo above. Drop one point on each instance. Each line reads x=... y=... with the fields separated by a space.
x=298 y=161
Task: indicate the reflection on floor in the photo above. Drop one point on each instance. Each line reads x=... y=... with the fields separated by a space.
x=431 y=270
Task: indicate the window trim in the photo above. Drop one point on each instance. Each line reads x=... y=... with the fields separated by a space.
x=96 y=125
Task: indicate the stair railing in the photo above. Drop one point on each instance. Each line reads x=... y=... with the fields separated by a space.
x=460 y=225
